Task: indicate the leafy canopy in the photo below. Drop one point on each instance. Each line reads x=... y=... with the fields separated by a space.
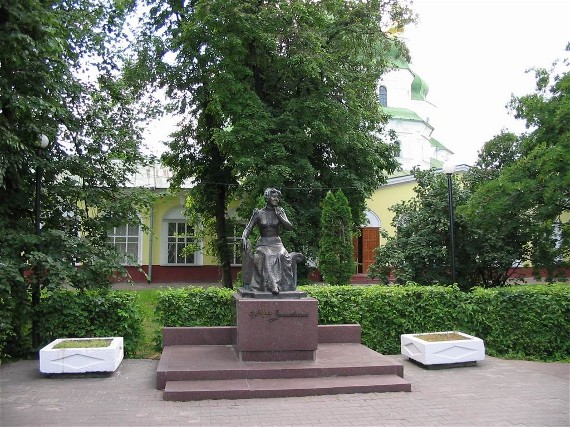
x=59 y=76
x=273 y=94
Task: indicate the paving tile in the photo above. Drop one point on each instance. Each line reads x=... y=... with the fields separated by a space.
x=496 y=392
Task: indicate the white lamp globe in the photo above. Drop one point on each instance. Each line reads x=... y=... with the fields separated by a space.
x=44 y=141
x=449 y=167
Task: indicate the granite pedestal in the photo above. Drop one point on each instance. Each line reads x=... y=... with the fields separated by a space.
x=275 y=349
x=269 y=330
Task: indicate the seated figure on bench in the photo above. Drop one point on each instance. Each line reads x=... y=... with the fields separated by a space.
x=271 y=268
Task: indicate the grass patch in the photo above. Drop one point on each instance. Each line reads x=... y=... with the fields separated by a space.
x=89 y=343
x=147 y=299
x=441 y=336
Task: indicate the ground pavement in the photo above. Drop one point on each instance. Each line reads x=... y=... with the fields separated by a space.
x=496 y=392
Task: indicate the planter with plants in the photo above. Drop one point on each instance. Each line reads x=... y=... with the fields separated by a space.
x=81 y=355
x=443 y=348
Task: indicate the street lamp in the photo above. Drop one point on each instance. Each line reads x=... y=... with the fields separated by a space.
x=36 y=286
x=42 y=145
x=448 y=168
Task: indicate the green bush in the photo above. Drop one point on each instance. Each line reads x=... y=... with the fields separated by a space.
x=529 y=321
x=387 y=312
x=195 y=306
x=14 y=315
x=73 y=314
x=521 y=321
x=336 y=259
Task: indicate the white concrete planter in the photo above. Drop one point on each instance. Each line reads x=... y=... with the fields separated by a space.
x=81 y=360
x=458 y=351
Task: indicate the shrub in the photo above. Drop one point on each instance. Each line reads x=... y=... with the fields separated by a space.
x=387 y=312
x=195 y=306
x=336 y=259
x=519 y=321
x=73 y=314
x=529 y=321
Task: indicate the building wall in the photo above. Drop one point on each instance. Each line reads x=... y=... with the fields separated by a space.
x=387 y=196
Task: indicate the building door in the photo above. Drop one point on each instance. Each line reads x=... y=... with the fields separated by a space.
x=370 y=241
x=364 y=247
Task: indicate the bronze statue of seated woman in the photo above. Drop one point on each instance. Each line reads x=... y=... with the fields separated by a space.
x=271 y=268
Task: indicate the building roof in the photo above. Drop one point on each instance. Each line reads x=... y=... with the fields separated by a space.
x=154 y=176
x=402 y=113
x=435 y=143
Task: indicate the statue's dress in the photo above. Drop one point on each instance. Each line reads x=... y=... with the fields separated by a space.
x=272 y=264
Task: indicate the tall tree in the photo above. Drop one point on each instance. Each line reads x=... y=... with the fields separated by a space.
x=419 y=251
x=534 y=189
x=58 y=77
x=277 y=94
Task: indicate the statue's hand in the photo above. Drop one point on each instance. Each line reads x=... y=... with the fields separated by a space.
x=280 y=212
x=245 y=243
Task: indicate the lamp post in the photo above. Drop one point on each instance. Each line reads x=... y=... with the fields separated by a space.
x=36 y=286
x=449 y=168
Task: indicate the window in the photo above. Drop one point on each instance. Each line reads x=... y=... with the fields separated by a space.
x=126 y=240
x=176 y=235
x=383 y=96
x=179 y=236
x=397 y=149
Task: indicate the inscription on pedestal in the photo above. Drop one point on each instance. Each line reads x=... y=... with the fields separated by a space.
x=273 y=316
x=277 y=325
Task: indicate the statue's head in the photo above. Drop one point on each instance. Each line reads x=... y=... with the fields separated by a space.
x=270 y=192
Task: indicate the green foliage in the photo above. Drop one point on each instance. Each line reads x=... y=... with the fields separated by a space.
x=530 y=321
x=273 y=94
x=419 y=252
x=91 y=314
x=520 y=321
x=195 y=306
x=527 y=200
x=336 y=260
x=47 y=50
x=13 y=308
x=387 y=312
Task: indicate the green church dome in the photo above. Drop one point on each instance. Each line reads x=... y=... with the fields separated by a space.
x=420 y=88
x=399 y=59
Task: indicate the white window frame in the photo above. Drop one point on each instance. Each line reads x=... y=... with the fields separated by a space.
x=234 y=242
x=176 y=215
x=112 y=236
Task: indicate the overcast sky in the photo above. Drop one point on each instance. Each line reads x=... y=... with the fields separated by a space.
x=473 y=55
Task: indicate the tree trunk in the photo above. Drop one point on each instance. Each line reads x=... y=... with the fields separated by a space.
x=221 y=236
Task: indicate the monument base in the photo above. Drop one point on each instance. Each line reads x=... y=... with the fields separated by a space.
x=277 y=329
x=201 y=363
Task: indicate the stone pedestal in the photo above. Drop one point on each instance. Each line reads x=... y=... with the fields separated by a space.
x=277 y=329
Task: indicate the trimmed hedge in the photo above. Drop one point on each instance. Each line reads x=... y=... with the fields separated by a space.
x=387 y=312
x=531 y=321
x=85 y=314
x=522 y=321
x=195 y=306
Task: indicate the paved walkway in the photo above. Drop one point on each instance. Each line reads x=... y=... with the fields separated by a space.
x=496 y=392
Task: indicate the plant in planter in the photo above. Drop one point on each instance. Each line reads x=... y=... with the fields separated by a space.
x=81 y=355
x=449 y=348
